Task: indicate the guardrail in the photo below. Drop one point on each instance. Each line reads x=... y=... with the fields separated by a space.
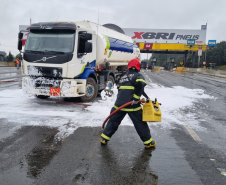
x=10 y=75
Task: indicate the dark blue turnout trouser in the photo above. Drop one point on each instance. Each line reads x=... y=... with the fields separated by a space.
x=136 y=117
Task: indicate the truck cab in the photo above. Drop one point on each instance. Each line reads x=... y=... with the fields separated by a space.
x=71 y=59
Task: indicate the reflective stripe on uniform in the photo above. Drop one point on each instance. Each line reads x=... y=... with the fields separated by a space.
x=135 y=96
x=129 y=109
x=148 y=141
x=142 y=80
x=105 y=137
x=126 y=87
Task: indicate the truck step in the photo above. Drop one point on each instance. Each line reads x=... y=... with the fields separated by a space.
x=81 y=93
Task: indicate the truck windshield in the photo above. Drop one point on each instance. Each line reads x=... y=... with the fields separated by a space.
x=48 y=41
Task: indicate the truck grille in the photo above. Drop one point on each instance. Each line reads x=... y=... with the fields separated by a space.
x=55 y=72
x=45 y=83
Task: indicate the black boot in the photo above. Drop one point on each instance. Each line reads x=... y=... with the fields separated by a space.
x=103 y=141
x=151 y=144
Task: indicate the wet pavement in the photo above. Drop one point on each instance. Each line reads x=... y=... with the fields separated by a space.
x=80 y=159
x=31 y=155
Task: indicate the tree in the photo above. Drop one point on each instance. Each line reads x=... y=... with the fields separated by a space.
x=164 y=59
x=217 y=54
x=10 y=57
x=18 y=56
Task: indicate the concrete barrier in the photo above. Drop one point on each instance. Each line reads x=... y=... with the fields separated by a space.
x=200 y=70
x=5 y=64
x=192 y=70
x=219 y=73
x=209 y=72
x=185 y=69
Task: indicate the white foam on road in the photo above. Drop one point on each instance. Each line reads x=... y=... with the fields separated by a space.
x=20 y=109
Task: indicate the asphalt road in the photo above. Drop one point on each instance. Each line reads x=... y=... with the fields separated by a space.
x=32 y=156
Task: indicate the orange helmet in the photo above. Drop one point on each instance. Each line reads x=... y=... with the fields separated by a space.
x=134 y=63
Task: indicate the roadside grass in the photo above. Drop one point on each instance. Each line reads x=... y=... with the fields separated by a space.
x=221 y=67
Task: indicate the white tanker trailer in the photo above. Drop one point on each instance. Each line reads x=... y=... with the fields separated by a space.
x=74 y=59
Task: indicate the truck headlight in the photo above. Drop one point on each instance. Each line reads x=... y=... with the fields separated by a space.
x=65 y=85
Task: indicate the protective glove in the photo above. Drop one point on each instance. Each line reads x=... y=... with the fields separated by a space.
x=135 y=102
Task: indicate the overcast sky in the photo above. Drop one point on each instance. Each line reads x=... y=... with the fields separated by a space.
x=154 y=14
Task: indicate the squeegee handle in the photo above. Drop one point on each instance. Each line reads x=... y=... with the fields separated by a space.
x=146 y=96
x=118 y=109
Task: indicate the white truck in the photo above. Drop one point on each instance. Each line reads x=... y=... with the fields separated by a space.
x=73 y=59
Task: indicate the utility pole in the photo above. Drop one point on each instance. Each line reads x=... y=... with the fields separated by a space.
x=206 y=40
x=30 y=18
x=198 y=61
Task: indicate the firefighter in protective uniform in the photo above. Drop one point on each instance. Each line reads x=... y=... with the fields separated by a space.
x=131 y=87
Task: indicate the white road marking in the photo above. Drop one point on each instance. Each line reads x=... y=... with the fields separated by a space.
x=3 y=113
x=148 y=78
x=189 y=129
x=20 y=106
x=192 y=133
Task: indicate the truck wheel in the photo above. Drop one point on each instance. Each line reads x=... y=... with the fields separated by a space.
x=41 y=96
x=110 y=83
x=91 y=91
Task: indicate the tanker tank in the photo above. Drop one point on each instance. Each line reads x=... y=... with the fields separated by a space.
x=112 y=46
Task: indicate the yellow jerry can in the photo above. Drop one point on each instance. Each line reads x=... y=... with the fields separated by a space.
x=152 y=112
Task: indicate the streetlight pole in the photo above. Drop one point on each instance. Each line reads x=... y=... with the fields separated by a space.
x=198 y=61
x=171 y=62
x=206 y=40
x=205 y=52
x=153 y=62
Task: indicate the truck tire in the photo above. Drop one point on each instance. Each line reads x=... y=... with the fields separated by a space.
x=110 y=83
x=91 y=91
x=41 y=96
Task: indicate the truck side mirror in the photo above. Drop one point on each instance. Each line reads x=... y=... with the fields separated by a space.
x=88 y=47
x=20 y=35
x=19 y=46
x=88 y=36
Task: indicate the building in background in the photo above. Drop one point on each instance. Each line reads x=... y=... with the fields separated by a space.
x=2 y=56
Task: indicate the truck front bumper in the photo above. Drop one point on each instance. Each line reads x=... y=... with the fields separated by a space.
x=44 y=86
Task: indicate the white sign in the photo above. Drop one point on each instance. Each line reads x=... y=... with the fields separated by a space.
x=200 y=52
x=204 y=62
x=165 y=35
x=191 y=42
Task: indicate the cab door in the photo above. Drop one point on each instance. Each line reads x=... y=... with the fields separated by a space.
x=84 y=53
